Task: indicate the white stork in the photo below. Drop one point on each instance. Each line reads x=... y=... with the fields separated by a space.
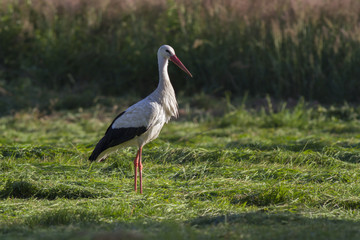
x=143 y=121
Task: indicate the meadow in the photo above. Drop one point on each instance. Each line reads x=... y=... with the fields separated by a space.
x=273 y=173
x=266 y=146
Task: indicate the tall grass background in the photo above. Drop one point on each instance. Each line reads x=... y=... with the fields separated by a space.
x=66 y=53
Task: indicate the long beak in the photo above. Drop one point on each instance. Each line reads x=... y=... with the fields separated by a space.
x=177 y=61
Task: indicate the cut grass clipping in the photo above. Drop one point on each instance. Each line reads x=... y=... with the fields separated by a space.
x=266 y=174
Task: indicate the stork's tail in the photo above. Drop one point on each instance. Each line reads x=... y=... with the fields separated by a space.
x=97 y=151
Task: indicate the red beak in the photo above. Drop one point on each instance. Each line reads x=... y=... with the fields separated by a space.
x=177 y=61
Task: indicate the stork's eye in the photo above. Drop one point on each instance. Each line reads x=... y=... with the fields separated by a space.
x=168 y=51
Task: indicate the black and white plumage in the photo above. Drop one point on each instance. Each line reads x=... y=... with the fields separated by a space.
x=143 y=121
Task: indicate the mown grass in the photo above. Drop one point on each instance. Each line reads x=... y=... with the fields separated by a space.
x=267 y=174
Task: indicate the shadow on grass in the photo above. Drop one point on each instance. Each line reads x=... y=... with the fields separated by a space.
x=263 y=225
x=290 y=146
x=348 y=157
x=26 y=189
x=252 y=225
x=304 y=146
x=256 y=218
x=32 y=152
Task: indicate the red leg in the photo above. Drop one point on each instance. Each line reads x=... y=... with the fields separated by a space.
x=136 y=163
x=140 y=169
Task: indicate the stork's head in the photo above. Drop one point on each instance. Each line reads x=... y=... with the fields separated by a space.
x=168 y=52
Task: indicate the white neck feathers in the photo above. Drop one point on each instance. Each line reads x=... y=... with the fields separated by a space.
x=165 y=93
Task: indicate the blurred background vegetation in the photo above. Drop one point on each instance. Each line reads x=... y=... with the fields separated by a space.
x=64 y=54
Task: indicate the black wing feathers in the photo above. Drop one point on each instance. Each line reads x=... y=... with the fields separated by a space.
x=115 y=137
x=121 y=135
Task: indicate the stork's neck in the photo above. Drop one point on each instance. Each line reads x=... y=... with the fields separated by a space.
x=164 y=80
x=165 y=92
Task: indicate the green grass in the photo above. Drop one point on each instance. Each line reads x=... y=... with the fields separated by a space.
x=264 y=174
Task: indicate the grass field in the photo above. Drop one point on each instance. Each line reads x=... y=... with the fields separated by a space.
x=257 y=169
x=271 y=173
